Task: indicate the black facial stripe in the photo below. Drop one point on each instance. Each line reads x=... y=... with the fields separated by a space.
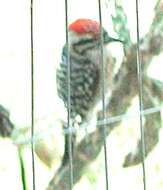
x=82 y=46
x=84 y=41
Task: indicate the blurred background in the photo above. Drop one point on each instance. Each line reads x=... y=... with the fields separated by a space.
x=15 y=96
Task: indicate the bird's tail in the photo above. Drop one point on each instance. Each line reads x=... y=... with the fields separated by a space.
x=70 y=140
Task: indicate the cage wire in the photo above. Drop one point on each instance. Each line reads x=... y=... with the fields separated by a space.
x=32 y=97
x=69 y=126
x=140 y=88
x=39 y=136
x=103 y=95
x=69 y=130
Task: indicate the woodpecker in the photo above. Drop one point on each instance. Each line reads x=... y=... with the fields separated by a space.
x=85 y=68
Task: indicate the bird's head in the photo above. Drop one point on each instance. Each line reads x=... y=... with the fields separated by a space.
x=84 y=31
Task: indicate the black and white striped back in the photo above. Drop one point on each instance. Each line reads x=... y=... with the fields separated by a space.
x=84 y=77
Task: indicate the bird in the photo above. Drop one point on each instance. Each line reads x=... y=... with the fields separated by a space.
x=85 y=70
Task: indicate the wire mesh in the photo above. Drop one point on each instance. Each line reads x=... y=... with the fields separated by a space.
x=104 y=121
x=142 y=112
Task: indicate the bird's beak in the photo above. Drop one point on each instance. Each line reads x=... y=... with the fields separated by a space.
x=110 y=39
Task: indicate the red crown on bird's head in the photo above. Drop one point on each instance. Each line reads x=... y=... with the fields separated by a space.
x=85 y=26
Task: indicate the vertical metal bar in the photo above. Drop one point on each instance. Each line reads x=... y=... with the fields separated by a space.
x=32 y=97
x=103 y=94
x=140 y=86
x=69 y=98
